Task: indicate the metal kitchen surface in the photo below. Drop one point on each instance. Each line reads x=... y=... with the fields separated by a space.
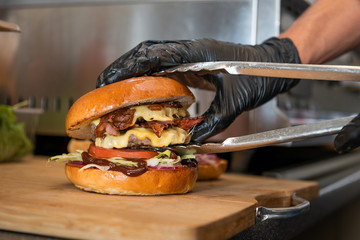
x=64 y=46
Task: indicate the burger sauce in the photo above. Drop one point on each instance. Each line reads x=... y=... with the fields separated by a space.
x=131 y=171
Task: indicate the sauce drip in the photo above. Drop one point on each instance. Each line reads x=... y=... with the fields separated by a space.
x=131 y=171
x=190 y=162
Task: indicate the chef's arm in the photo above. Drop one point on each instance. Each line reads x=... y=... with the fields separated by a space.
x=317 y=35
x=327 y=29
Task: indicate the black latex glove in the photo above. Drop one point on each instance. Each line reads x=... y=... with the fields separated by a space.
x=349 y=136
x=233 y=96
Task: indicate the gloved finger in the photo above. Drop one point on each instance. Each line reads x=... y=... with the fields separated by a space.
x=153 y=56
x=222 y=112
x=206 y=128
x=194 y=80
x=349 y=137
x=134 y=63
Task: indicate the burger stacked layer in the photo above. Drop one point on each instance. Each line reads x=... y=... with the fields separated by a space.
x=155 y=125
x=128 y=123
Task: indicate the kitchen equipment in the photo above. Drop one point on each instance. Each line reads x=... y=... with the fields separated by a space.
x=272 y=137
x=36 y=197
x=281 y=70
x=9 y=44
x=8 y=27
x=60 y=59
x=266 y=69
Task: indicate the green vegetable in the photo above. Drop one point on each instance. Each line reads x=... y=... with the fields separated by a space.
x=65 y=157
x=13 y=140
x=164 y=154
x=189 y=156
x=167 y=153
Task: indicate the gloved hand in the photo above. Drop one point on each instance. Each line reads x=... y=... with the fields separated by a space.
x=233 y=96
x=349 y=136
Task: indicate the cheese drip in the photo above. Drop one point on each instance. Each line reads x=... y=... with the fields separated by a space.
x=172 y=135
x=165 y=114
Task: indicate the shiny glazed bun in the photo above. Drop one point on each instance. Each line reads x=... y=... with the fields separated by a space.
x=153 y=182
x=212 y=171
x=115 y=96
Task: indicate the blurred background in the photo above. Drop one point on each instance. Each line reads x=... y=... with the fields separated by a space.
x=63 y=46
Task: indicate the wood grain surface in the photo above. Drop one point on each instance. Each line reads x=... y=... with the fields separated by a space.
x=36 y=197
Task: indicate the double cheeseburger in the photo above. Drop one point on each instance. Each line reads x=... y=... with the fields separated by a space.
x=129 y=123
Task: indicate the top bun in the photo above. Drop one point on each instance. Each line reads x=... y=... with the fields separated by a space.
x=130 y=92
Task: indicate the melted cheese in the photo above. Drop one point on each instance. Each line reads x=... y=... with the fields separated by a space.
x=168 y=137
x=165 y=114
x=96 y=121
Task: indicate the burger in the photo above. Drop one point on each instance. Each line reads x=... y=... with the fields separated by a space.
x=128 y=126
x=210 y=166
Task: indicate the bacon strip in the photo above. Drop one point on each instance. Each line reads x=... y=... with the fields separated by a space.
x=158 y=127
x=115 y=121
x=122 y=119
x=188 y=123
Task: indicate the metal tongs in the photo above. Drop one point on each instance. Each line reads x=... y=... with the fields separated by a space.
x=281 y=70
x=267 y=138
x=267 y=69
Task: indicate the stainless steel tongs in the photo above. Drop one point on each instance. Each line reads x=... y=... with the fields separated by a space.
x=267 y=138
x=266 y=69
x=282 y=70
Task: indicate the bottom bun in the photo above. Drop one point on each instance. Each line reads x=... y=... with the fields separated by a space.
x=212 y=171
x=152 y=182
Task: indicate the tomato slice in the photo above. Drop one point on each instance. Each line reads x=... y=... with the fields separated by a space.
x=100 y=152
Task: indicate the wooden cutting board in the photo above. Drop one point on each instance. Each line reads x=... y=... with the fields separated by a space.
x=36 y=197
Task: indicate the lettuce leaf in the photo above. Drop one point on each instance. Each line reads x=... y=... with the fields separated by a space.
x=188 y=156
x=76 y=156
x=164 y=154
x=13 y=140
x=163 y=159
x=66 y=157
